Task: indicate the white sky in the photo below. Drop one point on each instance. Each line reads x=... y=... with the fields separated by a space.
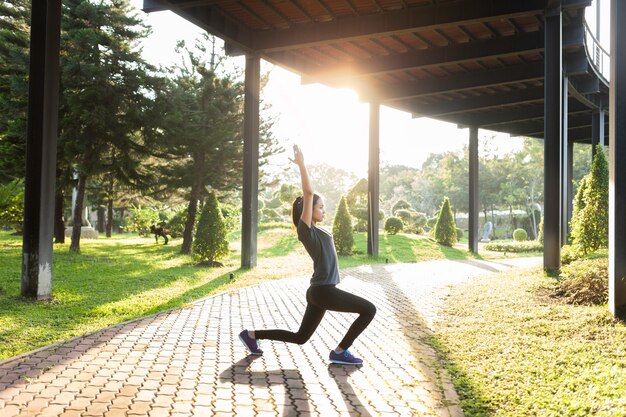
x=331 y=125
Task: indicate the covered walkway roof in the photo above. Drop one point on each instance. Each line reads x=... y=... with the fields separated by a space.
x=469 y=62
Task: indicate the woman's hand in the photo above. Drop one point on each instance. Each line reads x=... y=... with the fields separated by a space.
x=298 y=156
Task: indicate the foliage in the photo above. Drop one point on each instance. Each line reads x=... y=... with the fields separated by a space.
x=211 y=243
x=514 y=247
x=175 y=224
x=590 y=227
x=400 y=205
x=141 y=218
x=393 y=225
x=357 y=200
x=14 y=59
x=540 y=233
x=459 y=233
x=568 y=255
x=342 y=229
x=520 y=235
x=585 y=281
x=445 y=229
x=12 y=204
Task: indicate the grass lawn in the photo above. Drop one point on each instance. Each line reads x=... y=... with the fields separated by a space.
x=513 y=350
x=125 y=277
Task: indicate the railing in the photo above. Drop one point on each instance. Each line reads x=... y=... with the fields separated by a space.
x=599 y=57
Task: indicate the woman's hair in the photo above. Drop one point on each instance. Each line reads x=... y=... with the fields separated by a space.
x=296 y=209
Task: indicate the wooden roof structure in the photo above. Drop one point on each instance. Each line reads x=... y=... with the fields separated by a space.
x=469 y=62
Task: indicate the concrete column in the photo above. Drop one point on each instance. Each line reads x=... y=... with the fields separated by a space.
x=250 y=202
x=373 y=180
x=617 y=160
x=41 y=146
x=552 y=138
x=474 y=195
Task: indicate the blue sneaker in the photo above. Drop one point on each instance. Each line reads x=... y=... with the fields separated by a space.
x=251 y=344
x=345 y=358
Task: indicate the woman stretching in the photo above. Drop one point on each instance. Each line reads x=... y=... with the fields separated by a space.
x=323 y=294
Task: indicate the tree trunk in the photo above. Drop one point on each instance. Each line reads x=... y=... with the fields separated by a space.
x=109 y=217
x=78 y=213
x=192 y=208
x=59 y=223
x=101 y=219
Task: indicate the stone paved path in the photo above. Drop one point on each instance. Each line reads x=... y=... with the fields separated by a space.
x=190 y=362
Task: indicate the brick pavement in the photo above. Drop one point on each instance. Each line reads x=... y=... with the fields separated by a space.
x=189 y=362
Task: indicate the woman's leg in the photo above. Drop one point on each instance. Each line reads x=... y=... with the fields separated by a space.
x=312 y=318
x=329 y=297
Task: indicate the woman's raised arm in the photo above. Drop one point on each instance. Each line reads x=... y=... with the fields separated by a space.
x=307 y=188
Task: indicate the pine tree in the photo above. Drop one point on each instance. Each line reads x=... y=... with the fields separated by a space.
x=106 y=88
x=342 y=229
x=14 y=50
x=210 y=243
x=445 y=228
x=590 y=227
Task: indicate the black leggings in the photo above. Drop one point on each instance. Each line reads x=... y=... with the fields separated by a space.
x=319 y=299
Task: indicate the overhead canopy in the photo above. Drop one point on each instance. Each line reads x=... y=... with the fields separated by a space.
x=469 y=62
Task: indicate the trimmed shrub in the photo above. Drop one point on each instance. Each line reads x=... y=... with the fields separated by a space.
x=459 y=233
x=590 y=227
x=515 y=247
x=520 y=235
x=210 y=243
x=430 y=223
x=342 y=229
x=568 y=255
x=393 y=225
x=445 y=229
x=585 y=281
x=400 y=205
x=540 y=232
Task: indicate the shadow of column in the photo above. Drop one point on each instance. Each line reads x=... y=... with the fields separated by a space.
x=239 y=373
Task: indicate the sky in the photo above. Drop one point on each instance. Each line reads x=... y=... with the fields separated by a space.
x=331 y=125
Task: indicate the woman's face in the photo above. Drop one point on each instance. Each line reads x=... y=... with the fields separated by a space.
x=318 y=210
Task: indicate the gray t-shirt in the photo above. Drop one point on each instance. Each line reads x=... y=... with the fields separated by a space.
x=320 y=246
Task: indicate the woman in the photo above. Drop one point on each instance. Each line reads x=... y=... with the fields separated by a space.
x=322 y=294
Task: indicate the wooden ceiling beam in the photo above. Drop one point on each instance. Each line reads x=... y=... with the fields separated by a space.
x=394 y=22
x=483 y=102
x=506 y=46
x=457 y=82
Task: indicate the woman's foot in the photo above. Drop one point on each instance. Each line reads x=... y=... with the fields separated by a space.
x=344 y=358
x=250 y=343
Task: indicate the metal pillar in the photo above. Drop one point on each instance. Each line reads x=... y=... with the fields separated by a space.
x=250 y=202
x=553 y=111
x=41 y=140
x=566 y=166
x=474 y=200
x=617 y=159
x=373 y=180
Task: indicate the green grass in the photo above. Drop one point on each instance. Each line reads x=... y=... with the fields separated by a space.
x=513 y=350
x=126 y=277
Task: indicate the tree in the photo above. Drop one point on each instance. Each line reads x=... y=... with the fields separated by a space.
x=590 y=227
x=210 y=243
x=342 y=229
x=445 y=228
x=106 y=88
x=14 y=59
x=202 y=138
x=12 y=205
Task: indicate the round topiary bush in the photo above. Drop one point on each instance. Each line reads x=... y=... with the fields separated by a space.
x=459 y=233
x=393 y=225
x=520 y=235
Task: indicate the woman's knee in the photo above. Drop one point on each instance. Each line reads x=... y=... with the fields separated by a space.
x=302 y=338
x=370 y=310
